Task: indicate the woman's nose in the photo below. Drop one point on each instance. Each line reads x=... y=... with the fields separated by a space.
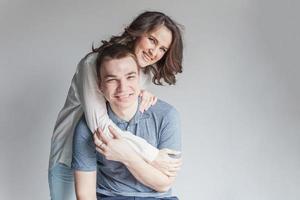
x=153 y=52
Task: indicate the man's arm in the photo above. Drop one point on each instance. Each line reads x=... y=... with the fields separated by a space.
x=84 y=162
x=147 y=174
x=117 y=149
x=85 y=185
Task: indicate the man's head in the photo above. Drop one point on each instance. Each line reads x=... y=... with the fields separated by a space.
x=118 y=76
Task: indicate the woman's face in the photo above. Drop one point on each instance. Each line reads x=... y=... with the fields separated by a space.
x=152 y=46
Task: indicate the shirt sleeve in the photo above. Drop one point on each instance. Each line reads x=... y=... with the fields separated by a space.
x=84 y=153
x=170 y=134
x=91 y=99
x=94 y=107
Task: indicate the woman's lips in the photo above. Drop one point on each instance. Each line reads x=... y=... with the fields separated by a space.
x=146 y=57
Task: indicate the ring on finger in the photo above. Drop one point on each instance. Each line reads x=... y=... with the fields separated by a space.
x=101 y=145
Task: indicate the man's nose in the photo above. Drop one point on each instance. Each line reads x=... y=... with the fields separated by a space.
x=122 y=85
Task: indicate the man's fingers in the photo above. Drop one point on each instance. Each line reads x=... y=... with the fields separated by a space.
x=174 y=168
x=172 y=152
x=114 y=132
x=170 y=174
x=175 y=161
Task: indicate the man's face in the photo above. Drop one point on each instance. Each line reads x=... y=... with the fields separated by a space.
x=120 y=82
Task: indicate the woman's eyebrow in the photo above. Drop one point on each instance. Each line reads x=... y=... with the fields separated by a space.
x=157 y=41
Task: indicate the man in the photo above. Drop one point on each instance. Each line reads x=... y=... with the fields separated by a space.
x=118 y=172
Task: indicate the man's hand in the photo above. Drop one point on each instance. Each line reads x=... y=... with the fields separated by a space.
x=166 y=164
x=118 y=149
x=148 y=99
x=115 y=148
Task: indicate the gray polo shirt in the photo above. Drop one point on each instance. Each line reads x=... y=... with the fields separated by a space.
x=159 y=126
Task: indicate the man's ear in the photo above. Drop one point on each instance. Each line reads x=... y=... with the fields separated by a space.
x=99 y=85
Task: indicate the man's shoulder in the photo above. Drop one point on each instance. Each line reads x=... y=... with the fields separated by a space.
x=82 y=131
x=162 y=109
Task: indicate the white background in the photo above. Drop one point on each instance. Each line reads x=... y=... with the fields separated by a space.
x=238 y=95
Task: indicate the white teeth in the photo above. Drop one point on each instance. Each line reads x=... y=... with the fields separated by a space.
x=146 y=57
x=123 y=96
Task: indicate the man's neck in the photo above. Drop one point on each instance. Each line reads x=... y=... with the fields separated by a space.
x=125 y=114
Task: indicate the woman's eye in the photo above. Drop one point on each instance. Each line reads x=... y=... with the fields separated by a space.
x=151 y=40
x=163 y=50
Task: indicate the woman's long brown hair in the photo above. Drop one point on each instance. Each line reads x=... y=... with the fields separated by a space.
x=171 y=63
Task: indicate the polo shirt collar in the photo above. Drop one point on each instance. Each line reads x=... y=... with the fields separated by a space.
x=134 y=120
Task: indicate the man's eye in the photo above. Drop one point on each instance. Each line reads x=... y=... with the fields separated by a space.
x=110 y=80
x=131 y=77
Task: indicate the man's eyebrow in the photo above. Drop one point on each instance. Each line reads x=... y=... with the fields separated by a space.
x=109 y=76
x=114 y=76
x=131 y=73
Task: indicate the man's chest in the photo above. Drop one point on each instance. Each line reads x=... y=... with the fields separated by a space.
x=146 y=129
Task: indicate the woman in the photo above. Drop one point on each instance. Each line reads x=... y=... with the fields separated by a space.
x=157 y=44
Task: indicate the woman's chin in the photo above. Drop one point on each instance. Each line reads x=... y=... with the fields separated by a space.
x=142 y=64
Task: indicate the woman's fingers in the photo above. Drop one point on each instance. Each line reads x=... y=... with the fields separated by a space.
x=148 y=99
x=96 y=138
x=100 y=150
x=100 y=140
x=102 y=136
x=154 y=100
x=144 y=103
x=114 y=132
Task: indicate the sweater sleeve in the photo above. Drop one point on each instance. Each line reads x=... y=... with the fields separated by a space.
x=93 y=104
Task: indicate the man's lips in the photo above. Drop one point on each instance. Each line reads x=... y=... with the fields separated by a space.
x=123 y=96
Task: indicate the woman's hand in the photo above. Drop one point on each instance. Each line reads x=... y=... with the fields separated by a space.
x=115 y=148
x=148 y=99
x=166 y=164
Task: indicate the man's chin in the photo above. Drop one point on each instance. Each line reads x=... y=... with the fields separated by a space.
x=122 y=105
x=124 y=102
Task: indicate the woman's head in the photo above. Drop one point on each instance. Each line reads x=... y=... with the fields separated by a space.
x=151 y=46
x=156 y=40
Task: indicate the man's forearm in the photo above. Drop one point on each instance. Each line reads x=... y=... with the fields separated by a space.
x=147 y=174
x=85 y=185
